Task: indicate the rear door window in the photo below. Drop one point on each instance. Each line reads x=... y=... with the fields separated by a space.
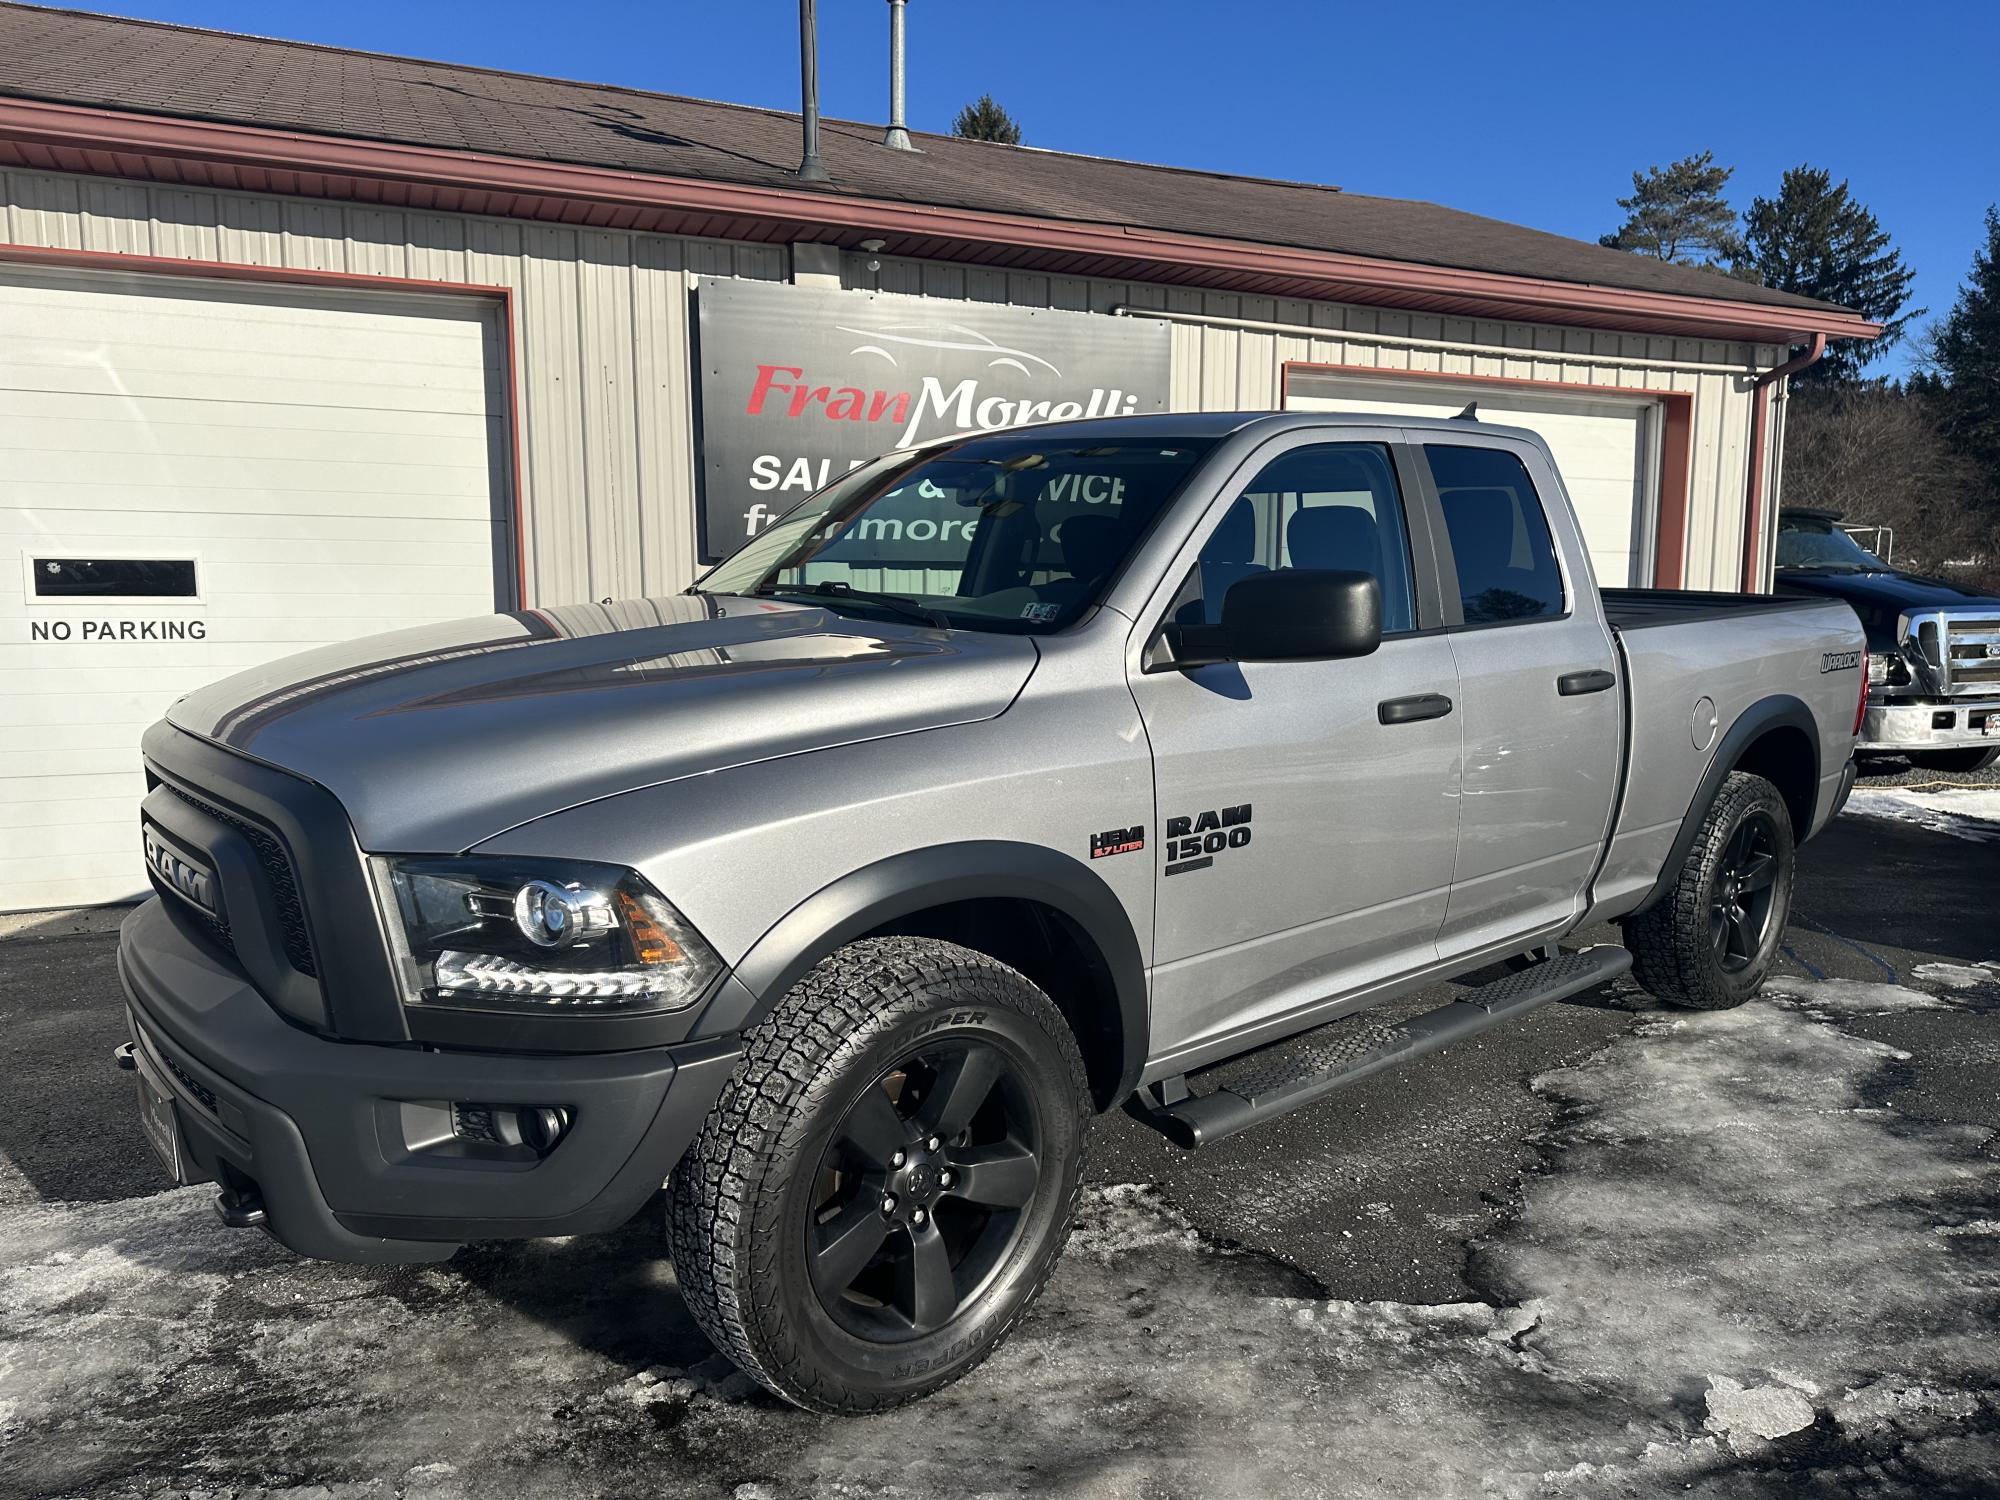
x=1501 y=549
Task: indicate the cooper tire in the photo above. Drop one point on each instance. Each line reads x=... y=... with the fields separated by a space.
x=1711 y=940
x=801 y=1152
x=1954 y=762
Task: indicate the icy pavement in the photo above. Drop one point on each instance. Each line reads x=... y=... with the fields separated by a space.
x=1738 y=1269
x=1971 y=813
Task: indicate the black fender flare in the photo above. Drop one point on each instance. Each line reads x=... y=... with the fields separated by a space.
x=942 y=874
x=1779 y=711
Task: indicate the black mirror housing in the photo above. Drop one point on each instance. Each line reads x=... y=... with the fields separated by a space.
x=1292 y=614
x=1303 y=614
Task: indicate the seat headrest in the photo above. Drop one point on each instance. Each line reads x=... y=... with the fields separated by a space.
x=1335 y=536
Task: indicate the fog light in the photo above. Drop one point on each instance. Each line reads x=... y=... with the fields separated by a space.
x=536 y=1126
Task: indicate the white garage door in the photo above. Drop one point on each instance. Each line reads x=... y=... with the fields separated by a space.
x=199 y=476
x=1603 y=450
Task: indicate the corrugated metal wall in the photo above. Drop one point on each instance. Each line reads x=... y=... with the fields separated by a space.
x=603 y=382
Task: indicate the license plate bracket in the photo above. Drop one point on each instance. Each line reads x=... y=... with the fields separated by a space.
x=159 y=1119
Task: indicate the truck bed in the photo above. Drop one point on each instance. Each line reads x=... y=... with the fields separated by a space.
x=1687 y=680
x=1639 y=609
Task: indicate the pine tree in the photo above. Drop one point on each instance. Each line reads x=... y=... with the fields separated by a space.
x=1678 y=213
x=985 y=120
x=1815 y=240
x=1964 y=360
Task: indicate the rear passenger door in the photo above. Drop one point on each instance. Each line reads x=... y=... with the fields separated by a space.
x=1305 y=834
x=1539 y=703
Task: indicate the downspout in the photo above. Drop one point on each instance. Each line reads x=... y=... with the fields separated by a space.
x=1753 y=507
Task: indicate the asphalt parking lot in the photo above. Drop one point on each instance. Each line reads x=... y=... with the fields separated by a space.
x=1612 y=1250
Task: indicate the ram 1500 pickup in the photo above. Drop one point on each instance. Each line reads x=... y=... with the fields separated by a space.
x=1003 y=782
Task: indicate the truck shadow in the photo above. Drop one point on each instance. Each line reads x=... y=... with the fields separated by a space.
x=612 y=1294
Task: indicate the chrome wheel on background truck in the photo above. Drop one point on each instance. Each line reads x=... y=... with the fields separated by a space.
x=884 y=1186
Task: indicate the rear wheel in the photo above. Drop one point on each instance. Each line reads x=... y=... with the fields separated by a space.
x=884 y=1186
x=1711 y=940
x=1958 y=762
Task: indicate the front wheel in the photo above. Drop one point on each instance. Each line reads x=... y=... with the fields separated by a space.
x=885 y=1184
x=1710 y=941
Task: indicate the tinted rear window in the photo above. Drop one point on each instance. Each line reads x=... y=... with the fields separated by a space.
x=1504 y=556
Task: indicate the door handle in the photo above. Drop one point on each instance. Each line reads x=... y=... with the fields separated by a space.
x=1411 y=710
x=1575 y=684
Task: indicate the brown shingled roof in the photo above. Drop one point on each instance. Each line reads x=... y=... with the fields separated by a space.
x=80 y=58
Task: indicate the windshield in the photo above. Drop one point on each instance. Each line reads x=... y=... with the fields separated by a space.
x=1011 y=532
x=1814 y=542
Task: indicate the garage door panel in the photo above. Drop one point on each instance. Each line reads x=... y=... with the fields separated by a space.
x=198 y=500
x=62 y=812
x=333 y=462
x=226 y=534
x=273 y=478
x=304 y=386
x=224 y=443
x=145 y=328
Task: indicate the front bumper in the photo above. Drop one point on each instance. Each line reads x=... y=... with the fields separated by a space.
x=1941 y=724
x=339 y=1139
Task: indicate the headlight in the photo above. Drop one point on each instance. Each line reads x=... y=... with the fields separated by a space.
x=1888 y=668
x=549 y=937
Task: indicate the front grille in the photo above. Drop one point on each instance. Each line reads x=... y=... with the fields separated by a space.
x=278 y=871
x=1971 y=654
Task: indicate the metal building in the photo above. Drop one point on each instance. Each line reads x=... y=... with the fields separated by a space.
x=299 y=343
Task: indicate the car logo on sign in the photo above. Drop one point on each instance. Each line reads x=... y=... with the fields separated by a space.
x=184 y=877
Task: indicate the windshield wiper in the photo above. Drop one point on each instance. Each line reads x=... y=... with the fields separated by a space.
x=832 y=590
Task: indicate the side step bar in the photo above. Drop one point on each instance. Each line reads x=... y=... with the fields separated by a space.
x=1350 y=1049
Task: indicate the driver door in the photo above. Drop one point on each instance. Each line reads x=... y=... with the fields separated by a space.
x=1307 y=811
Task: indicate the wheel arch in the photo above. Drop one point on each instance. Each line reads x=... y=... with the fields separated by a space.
x=937 y=892
x=1776 y=738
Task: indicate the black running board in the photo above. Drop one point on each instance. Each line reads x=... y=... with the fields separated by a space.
x=1350 y=1049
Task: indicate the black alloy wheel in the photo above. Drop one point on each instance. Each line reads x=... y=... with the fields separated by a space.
x=920 y=1194
x=885 y=1182
x=1743 y=893
x=1710 y=938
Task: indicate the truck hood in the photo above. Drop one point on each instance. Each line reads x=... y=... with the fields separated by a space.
x=441 y=736
x=1882 y=598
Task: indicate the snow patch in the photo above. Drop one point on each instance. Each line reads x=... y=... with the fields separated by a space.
x=1972 y=814
x=1959 y=976
x=1852 y=997
x=1738 y=1412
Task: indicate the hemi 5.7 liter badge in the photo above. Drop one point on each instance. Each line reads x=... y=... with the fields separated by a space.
x=1117 y=841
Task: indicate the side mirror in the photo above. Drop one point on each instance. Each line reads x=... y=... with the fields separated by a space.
x=1293 y=614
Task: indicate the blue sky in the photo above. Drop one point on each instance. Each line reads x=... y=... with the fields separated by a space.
x=1536 y=113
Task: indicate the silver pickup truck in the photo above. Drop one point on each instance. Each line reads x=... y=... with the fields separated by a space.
x=1002 y=783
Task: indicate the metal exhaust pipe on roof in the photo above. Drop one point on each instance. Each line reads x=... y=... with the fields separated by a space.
x=897 y=136
x=811 y=168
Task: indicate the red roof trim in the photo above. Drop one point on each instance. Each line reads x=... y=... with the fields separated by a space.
x=184 y=149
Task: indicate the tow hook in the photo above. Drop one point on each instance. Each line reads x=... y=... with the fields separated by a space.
x=240 y=1209
x=122 y=1055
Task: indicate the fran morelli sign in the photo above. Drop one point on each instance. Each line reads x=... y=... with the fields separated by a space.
x=799 y=385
